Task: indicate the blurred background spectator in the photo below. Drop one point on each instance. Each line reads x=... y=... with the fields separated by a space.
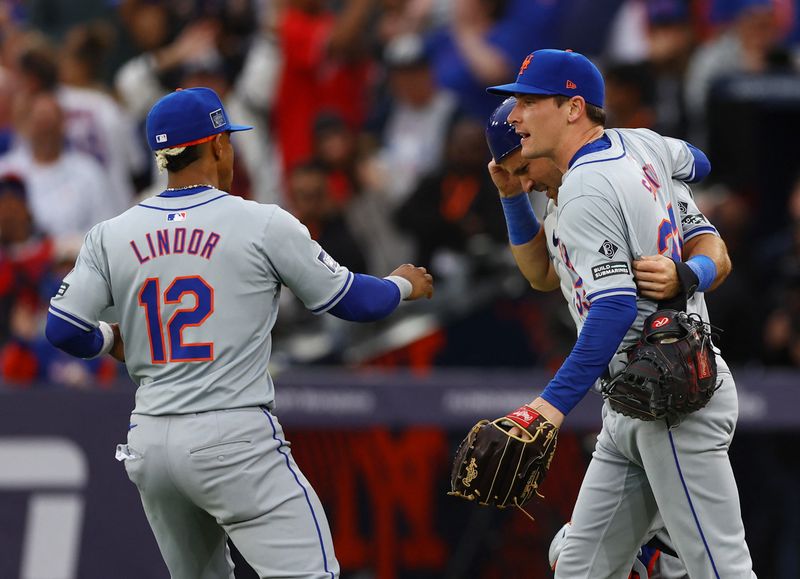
x=68 y=191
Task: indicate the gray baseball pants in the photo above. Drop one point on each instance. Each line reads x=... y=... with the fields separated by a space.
x=640 y=469
x=228 y=473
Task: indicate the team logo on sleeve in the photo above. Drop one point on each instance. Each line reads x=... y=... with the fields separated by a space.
x=608 y=249
x=609 y=269
x=62 y=289
x=328 y=261
x=180 y=216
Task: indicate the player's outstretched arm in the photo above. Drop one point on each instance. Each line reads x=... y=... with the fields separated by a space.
x=706 y=258
x=370 y=298
x=525 y=233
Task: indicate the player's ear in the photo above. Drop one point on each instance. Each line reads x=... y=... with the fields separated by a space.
x=576 y=106
x=217 y=145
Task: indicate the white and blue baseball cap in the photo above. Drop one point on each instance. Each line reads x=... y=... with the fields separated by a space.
x=187 y=117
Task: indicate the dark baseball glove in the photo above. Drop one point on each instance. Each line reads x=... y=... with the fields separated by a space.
x=671 y=371
x=494 y=466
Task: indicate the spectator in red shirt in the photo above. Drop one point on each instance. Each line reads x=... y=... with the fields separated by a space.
x=325 y=67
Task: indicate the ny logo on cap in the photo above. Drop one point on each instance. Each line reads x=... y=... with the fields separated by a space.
x=217 y=118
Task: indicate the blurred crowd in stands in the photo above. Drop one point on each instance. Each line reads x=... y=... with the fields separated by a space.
x=369 y=119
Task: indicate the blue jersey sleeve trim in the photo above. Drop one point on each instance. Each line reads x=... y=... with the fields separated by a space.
x=702 y=166
x=71 y=318
x=368 y=299
x=699 y=230
x=327 y=305
x=67 y=336
x=617 y=290
x=606 y=325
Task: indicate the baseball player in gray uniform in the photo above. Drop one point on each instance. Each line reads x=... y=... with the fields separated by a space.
x=195 y=275
x=516 y=178
x=619 y=219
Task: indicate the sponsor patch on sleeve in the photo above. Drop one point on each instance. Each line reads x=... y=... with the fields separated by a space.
x=62 y=289
x=694 y=219
x=610 y=268
x=328 y=261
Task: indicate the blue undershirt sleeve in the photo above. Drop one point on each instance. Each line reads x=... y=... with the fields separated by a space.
x=702 y=166
x=368 y=299
x=606 y=325
x=72 y=339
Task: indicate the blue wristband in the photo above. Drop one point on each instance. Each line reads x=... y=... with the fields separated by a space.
x=520 y=220
x=705 y=269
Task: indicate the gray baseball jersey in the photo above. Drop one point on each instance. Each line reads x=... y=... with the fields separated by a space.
x=614 y=206
x=195 y=281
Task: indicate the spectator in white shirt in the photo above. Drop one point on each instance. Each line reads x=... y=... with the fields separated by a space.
x=68 y=191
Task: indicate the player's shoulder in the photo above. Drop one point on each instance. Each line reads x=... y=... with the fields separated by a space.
x=260 y=216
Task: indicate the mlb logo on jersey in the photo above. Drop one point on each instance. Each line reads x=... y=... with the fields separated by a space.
x=217 y=118
x=181 y=216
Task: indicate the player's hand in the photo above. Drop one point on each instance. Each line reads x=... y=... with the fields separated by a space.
x=118 y=349
x=656 y=277
x=507 y=184
x=421 y=280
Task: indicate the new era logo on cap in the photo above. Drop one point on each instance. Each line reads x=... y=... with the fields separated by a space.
x=571 y=85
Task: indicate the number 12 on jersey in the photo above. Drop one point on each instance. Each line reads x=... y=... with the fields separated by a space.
x=150 y=300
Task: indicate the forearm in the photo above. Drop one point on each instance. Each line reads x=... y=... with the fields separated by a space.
x=528 y=243
x=76 y=341
x=714 y=248
x=370 y=298
x=534 y=263
x=606 y=325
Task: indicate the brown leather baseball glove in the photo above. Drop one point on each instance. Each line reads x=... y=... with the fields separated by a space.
x=500 y=465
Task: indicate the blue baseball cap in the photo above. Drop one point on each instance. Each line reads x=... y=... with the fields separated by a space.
x=557 y=72
x=187 y=117
x=501 y=136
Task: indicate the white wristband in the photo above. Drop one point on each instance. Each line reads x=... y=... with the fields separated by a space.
x=108 y=339
x=403 y=285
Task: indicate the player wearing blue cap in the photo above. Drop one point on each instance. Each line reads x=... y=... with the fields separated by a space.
x=195 y=275
x=515 y=177
x=617 y=204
